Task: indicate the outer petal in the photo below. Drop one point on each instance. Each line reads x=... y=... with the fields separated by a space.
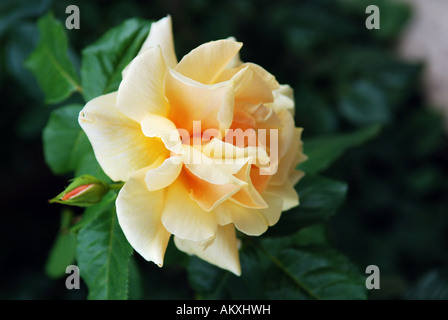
x=192 y=101
x=222 y=251
x=283 y=99
x=287 y=193
x=141 y=90
x=161 y=34
x=249 y=221
x=118 y=142
x=251 y=87
x=139 y=214
x=205 y=63
x=236 y=61
x=274 y=210
x=290 y=159
x=183 y=217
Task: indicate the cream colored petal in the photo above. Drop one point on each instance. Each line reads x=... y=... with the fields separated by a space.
x=211 y=170
x=283 y=99
x=141 y=90
x=265 y=75
x=222 y=251
x=274 y=210
x=219 y=149
x=163 y=175
x=161 y=34
x=118 y=142
x=287 y=193
x=251 y=87
x=205 y=63
x=249 y=221
x=290 y=159
x=287 y=133
x=139 y=215
x=236 y=61
x=183 y=217
x=161 y=127
x=190 y=101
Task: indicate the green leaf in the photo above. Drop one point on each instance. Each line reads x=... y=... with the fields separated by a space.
x=103 y=257
x=135 y=280
x=432 y=286
x=50 y=64
x=14 y=11
x=280 y=269
x=62 y=253
x=89 y=165
x=65 y=143
x=91 y=213
x=324 y=150
x=319 y=199
x=364 y=103
x=103 y=61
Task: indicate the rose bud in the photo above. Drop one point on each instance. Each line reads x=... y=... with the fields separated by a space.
x=83 y=191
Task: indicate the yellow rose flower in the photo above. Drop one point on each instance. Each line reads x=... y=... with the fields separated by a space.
x=205 y=146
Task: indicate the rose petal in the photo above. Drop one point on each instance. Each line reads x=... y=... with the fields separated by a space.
x=212 y=170
x=118 y=142
x=209 y=195
x=141 y=90
x=274 y=210
x=190 y=101
x=205 y=63
x=139 y=214
x=156 y=126
x=251 y=87
x=248 y=195
x=163 y=175
x=161 y=34
x=183 y=217
x=222 y=250
x=249 y=221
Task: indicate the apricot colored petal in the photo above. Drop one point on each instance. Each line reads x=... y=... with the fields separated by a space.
x=183 y=217
x=190 y=101
x=248 y=196
x=209 y=195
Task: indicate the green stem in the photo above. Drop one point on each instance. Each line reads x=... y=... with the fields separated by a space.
x=116 y=185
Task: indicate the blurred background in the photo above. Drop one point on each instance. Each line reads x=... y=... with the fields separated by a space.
x=344 y=77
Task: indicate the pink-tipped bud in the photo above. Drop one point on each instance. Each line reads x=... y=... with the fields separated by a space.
x=83 y=191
